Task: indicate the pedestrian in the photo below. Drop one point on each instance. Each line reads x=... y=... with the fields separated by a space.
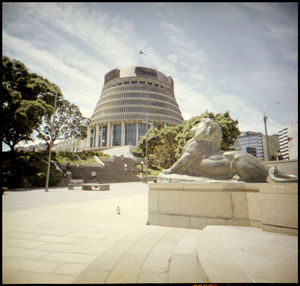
x=276 y=155
x=94 y=174
x=118 y=210
x=68 y=167
x=280 y=156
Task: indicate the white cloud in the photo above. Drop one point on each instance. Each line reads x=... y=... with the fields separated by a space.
x=76 y=44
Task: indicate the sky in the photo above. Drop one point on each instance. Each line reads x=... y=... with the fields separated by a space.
x=237 y=57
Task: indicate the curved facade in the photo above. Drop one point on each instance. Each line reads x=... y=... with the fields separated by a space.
x=132 y=100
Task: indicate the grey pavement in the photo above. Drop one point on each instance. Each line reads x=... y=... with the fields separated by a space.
x=74 y=236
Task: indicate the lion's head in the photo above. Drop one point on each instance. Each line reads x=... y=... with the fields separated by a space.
x=208 y=130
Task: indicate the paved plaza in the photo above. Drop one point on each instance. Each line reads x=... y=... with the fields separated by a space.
x=76 y=236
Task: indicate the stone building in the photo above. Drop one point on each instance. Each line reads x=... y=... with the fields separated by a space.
x=132 y=100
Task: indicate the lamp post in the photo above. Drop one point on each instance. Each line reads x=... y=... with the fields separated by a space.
x=266 y=133
x=146 y=146
x=267 y=141
x=51 y=142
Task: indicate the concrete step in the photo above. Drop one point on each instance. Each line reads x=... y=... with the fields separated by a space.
x=158 y=255
x=229 y=254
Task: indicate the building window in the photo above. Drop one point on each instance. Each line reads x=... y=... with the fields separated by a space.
x=117 y=135
x=104 y=136
x=251 y=150
x=130 y=134
x=99 y=136
x=92 y=139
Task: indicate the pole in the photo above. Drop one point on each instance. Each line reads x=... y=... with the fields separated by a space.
x=147 y=147
x=267 y=141
x=51 y=142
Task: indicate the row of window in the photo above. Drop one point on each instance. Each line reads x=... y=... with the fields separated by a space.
x=137 y=117
x=133 y=82
x=140 y=109
x=128 y=102
x=131 y=134
x=137 y=95
x=134 y=87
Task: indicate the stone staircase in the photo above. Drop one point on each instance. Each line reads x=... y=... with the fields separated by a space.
x=159 y=255
x=113 y=171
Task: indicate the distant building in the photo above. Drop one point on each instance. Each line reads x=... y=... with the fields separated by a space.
x=252 y=143
x=288 y=142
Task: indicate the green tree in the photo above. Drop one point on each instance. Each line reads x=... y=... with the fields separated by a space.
x=166 y=145
x=68 y=123
x=228 y=125
x=26 y=98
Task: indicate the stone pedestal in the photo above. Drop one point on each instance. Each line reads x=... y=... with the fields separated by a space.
x=270 y=206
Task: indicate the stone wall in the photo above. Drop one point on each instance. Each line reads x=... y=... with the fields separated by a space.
x=270 y=206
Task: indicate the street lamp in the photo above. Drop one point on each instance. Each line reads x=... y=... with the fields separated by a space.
x=266 y=133
x=51 y=142
x=267 y=140
x=146 y=146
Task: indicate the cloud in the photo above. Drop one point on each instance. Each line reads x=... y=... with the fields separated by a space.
x=240 y=69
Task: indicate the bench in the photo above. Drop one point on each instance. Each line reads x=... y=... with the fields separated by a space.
x=99 y=187
x=75 y=183
x=90 y=186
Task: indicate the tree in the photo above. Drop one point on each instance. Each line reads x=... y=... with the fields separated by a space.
x=69 y=123
x=165 y=146
x=26 y=98
x=229 y=126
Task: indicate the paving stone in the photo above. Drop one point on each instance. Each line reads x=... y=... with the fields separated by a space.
x=152 y=277
x=11 y=242
x=278 y=273
x=185 y=269
x=127 y=269
x=70 y=257
x=70 y=268
x=249 y=263
x=55 y=238
x=186 y=246
x=27 y=277
x=221 y=269
x=108 y=259
x=91 y=276
x=158 y=259
x=8 y=272
x=36 y=265
x=87 y=242
x=23 y=252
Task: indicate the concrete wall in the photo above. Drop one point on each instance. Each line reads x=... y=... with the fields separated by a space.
x=285 y=166
x=270 y=206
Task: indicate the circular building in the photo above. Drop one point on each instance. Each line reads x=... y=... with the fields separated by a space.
x=132 y=100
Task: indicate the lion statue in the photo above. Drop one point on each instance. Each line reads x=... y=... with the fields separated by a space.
x=202 y=157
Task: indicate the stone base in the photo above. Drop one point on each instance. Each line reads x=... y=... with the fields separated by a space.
x=270 y=206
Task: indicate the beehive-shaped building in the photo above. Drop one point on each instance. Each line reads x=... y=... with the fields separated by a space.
x=132 y=100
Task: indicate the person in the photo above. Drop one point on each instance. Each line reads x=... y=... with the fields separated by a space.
x=280 y=156
x=94 y=175
x=276 y=155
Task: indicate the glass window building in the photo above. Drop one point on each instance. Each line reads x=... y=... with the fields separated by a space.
x=132 y=100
